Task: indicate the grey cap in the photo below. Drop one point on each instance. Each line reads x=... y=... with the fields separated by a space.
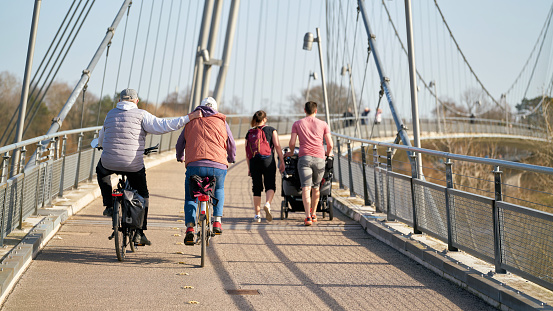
x=209 y=102
x=128 y=94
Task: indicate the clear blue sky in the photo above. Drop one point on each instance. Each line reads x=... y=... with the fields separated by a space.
x=496 y=37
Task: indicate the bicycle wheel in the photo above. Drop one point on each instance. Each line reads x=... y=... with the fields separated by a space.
x=118 y=231
x=203 y=238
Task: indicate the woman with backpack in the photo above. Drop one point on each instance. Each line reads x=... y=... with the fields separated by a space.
x=261 y=144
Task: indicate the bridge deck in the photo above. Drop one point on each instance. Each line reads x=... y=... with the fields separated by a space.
x=333 y=265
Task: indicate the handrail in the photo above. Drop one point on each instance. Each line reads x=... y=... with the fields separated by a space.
x=449 y=155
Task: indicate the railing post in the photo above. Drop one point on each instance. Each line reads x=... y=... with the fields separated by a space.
x=93 y=158
x=496 y=232
x=160 y=150
x=376 y=183
x=240 y=128
x=365 y=184
x=62 y=178
x=389 y=216
x=351 y=191
x=449 y=185
x=5 y=160
x=22 y=159
x=414 y=175
x=79 y=150
x=340 y=182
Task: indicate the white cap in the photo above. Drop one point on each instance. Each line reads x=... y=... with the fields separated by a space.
x=209 y=102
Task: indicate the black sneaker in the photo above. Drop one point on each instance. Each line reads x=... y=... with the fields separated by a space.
x=141 y=239
x=189 y=237
x=108 y=211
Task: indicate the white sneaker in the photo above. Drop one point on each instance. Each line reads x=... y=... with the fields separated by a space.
x=267 y=208
x=257 y=218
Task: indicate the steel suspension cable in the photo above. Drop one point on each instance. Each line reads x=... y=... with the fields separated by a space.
x=285 y=47
x=102 y=88
x=183 y=48
x=547 y=21
x=257 y=55
x=146 y=46
x=9 y=125
x=274 y=51
x=538 y=56
x=36 y=103
x=121 y=56
x=463 y=55
x=154 y=57
x=174 y=50
x=164 y=51
x=135 y=42
x=59 y=66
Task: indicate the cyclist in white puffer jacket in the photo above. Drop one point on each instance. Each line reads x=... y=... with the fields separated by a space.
x=122 y=139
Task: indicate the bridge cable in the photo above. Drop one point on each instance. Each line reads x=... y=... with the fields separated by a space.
x=285 y=46
x=155 y=52
x=37 y=103
x=163 y=58
x=257 y=55
x=146 y=46
x=135 y=42
x=7 y=129
x=463 y=55
x=274 y=62
x=444 y=104
x=537 y=57
x=364 y=79
x=121 y=56
x=540 y=38
x=102 y=88
x=377 y=107
x=174 y=50
x=183 y=48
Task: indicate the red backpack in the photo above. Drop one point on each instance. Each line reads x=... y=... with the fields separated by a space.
x=256 y=143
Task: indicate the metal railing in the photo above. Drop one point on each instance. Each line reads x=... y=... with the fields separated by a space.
x=485 y=221
x=63 y=160
x=432 y=127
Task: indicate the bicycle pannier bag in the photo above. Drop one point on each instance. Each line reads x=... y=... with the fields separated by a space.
x=133 y=209
x=256 y=143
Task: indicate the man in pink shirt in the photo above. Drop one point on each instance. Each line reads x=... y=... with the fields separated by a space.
x=311 y=164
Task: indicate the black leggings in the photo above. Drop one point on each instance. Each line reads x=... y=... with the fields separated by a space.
x=263 y=171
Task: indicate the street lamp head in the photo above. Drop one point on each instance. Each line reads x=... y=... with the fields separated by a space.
x=315 y=76
x=307 y=41
x=431 y=84
x=344 y=70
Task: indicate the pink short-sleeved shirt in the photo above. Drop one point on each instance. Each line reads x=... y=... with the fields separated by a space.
x=311 y=132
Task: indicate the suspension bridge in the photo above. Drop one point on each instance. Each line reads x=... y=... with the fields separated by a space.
x=446 y=227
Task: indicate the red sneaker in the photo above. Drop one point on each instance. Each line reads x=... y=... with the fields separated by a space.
x=308 y=221
x=314 y=218
x=217 y=227
x=189 y=237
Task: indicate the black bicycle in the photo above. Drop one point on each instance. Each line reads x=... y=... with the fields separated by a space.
x=123 y=234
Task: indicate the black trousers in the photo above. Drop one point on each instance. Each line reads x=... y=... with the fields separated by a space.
x=263 y=171
x=137 y=180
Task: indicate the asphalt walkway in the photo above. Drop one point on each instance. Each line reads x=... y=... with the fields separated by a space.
x=282 y=265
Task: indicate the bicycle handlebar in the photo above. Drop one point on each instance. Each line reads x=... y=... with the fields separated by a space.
x=151 y=149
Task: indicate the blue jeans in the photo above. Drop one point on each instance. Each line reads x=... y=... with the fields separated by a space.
x=189 y=201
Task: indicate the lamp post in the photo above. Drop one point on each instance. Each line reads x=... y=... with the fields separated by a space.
x=307 y=43
x=345 y=69
x=433 y=83
x=311 y=75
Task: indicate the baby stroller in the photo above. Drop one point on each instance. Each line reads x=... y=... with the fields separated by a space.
x=291 y=187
